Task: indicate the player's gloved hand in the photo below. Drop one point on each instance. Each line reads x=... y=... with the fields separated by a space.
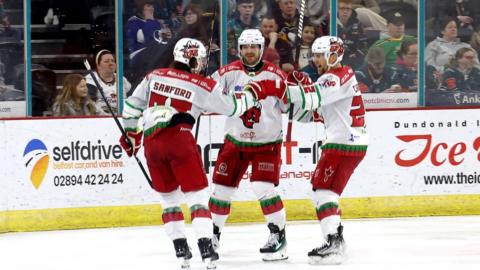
x=297 y=77
x=263 y=89
x=136 y=141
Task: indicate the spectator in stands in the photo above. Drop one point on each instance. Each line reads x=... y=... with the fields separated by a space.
x=368 y=14
x=167 y=12
x=460 y=73
x=106 y=77
x=439 y=52
x=141 y=29
x=396 y=33
x=407 y=66
x=244 y=18
x=194 y=26
x=269 y=28
x=261 y=8
x=287 y=20
x=370 y=4
x=6 y=31
x=376 y=76
x=8 y=92
x=308 y=36
x=317 y=11
x=463 y=11
x=74 y=100
x=272 y=56
x=197 y=27
x=350 y=30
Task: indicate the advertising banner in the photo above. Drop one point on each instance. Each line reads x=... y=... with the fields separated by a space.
x=12 y=109
x=62 y=163
x=452 y=98
x=390 y=100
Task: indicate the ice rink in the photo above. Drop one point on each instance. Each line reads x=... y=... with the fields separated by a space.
x=400 y=243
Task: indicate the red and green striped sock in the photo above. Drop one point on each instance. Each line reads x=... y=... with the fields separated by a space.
x=328 y=209
x=219 y=207
x=199 y=211
x=172 y=214
x=272 y=205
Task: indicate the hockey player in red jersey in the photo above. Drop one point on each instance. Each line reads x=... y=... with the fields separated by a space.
x=169 y=100
x=341 y=106
x=255 y=137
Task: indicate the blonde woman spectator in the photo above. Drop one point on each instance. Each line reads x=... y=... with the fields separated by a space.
x=74 y=100
x=439 y=51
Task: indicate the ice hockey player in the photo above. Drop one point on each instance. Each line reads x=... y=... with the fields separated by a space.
x=169 y=100
x=255 y=137
x=341 y=106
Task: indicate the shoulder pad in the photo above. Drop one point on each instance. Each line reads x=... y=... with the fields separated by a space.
x=236 y=65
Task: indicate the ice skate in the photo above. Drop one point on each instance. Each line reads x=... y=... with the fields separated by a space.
x=332 y=252
x=276 y=247
x=216 y=237
x=183 y=253
x=209 y=256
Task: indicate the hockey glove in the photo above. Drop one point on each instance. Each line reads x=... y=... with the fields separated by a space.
x=297 y=77
x=136 y=141
x=263 y=89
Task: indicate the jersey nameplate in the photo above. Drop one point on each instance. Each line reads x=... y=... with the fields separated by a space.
x=171 y=91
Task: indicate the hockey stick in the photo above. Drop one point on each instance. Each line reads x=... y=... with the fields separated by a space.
x=298 y=43
x=197 y=127
x=122 y=130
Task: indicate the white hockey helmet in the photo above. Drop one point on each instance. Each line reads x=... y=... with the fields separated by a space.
x=329 y=45
x=251 y=37
x=188 y=48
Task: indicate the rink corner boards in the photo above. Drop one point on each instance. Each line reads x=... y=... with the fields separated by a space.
x=141 y=215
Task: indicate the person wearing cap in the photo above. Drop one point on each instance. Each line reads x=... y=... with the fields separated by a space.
x=375 y=76
x=396 y=33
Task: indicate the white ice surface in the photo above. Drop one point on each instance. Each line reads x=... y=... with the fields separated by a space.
x=403 y=243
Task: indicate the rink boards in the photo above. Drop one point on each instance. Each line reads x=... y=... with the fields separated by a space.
x=71 y=173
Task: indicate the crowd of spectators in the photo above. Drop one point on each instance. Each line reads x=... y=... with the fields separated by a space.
x=11 y=53
x=380 y=39
x=451 y=55
x=377 y=44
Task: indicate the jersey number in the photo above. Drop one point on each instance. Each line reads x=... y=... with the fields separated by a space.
x=357 y=112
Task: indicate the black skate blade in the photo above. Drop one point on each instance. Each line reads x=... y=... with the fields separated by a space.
x=280 y=255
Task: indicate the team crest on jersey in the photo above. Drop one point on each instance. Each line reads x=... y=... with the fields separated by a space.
x=252 y=116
